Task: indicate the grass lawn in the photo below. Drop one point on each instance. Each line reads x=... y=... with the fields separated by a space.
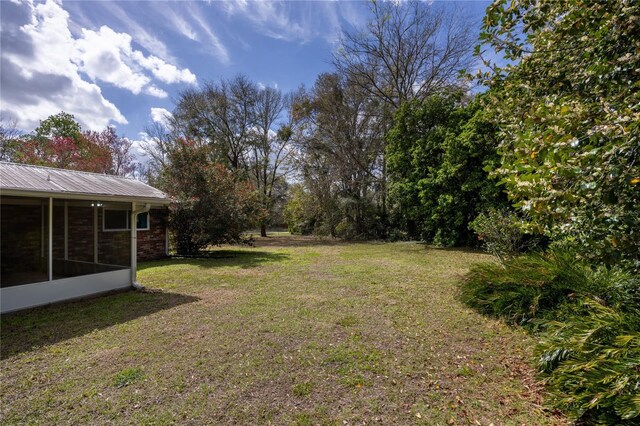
x=292 y=331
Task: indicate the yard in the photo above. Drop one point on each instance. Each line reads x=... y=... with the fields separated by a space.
x=292 y=331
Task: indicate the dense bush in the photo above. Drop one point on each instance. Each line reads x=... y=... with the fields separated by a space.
x=211 y=205
x=438 y=152
x=567 y=104
x=589 y=355
x=591 y=364
x=501 y=233
x=544 y=286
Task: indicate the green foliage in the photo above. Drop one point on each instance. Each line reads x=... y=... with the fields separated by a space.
x=59 y=142
x=211 y=206
x=59 y=125
x=591 y=364
x=538 y=286
x=127 y=377
x=501 y=233
x=569 y=113
x=437 y=154
x=589 y=351
x=299 y=212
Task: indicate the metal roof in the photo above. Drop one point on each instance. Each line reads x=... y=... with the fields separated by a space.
x=16 y=179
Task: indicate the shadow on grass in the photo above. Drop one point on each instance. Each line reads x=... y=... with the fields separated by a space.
x=28 y=330
x=220 y=258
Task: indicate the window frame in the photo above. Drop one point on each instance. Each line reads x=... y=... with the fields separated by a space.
x=128 y=226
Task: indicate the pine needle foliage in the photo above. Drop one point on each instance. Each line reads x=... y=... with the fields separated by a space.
x=591 y=364
x=589 y=325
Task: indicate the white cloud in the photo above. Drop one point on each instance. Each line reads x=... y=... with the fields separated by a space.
x=161 y=116
x=155 y=91
x=39 y=79
x=179 y=23
x=104 y=55
x=43 y=65
x=110 y=57
x=279 y=20
x=139 y=33
x=219 y=50
x=163 y=71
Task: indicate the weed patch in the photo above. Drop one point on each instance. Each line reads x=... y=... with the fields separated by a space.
x=127 y=377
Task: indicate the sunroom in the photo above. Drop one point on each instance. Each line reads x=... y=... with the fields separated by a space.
x=67 y=234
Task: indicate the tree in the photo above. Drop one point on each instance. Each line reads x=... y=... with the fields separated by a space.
x=210 y=204
x=9 y=139
x=62 y=125
x=122 y=160
x=437 y=152
x=269 y=149
x=301 y=211
x=408 y=50
x=339 y=141
x=220 y=115
x=156 y=146
x=243 y=127
x=568 y=108
x=59 y=142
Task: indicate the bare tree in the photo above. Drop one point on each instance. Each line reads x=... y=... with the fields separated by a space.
x=408 y=50
x=269 y=148
x=9 y=135
x=219 y=115
x=156 y=147
x=339 y=149
x=123 y=162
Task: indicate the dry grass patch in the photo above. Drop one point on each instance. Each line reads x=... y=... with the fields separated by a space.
x=283 y=333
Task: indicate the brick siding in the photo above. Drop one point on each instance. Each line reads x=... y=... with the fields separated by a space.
x=21 y=237
x=151 y=243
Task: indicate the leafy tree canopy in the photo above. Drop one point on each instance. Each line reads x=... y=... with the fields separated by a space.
x=569 y=114
x=437 y=153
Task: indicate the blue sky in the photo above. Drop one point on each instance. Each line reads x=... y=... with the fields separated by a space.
x=124 y=63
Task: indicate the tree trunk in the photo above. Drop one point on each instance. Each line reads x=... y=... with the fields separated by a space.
x=263 y=229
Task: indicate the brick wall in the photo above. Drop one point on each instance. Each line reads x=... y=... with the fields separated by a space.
x=151 y=243
x=80 y=220
x=21 y=238
x=21 y=234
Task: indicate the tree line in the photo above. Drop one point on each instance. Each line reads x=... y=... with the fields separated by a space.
x=59 y=141
x=393 y=144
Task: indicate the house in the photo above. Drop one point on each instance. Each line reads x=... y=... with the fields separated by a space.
x=66 y=234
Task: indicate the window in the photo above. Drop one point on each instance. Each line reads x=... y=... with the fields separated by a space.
x=143 y=221
x=118 y=220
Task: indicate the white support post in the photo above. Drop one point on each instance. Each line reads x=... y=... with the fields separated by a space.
x=42 y=234
x=134 y=243
x=66 y=230
x=95 y=232
x=50 y=259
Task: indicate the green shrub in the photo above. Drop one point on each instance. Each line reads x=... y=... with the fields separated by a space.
x=524 y=287
x=545 y=286
x=501 y=233
x=591 y=364
x=589 y=355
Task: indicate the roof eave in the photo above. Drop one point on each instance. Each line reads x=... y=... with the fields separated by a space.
x=84 y=196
